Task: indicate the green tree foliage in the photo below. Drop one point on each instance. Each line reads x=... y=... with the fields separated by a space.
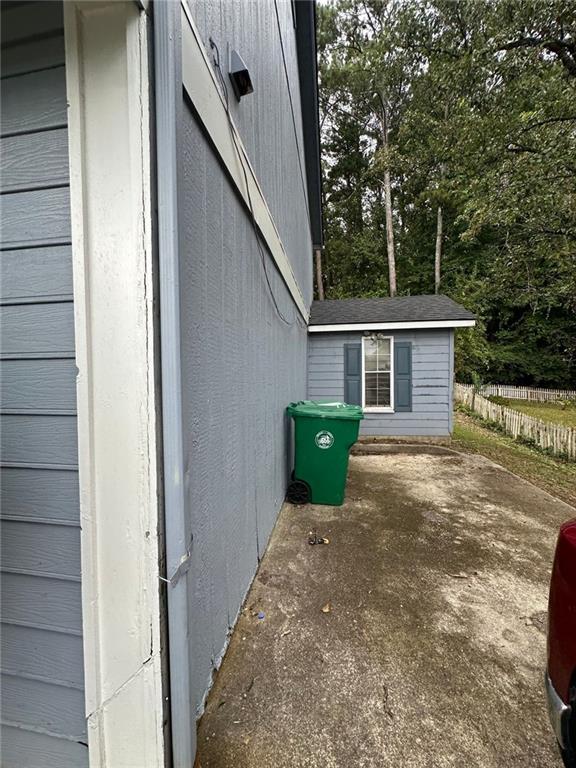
x=481 y=102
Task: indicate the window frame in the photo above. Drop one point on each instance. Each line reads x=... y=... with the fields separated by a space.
x=378 y=408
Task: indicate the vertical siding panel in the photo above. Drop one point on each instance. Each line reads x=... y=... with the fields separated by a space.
x=241 y=365
x=264 y=118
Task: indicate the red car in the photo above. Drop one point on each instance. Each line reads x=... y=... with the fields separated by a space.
x=561 y=671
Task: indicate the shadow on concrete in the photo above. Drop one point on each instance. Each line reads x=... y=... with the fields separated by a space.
x=414 y=638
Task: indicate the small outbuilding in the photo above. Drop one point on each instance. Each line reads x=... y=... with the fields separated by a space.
x=392 y=356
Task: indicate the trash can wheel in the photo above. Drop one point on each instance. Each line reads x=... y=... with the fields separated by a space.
x=298 y=492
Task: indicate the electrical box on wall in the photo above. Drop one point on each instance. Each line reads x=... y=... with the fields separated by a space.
x=239 y=76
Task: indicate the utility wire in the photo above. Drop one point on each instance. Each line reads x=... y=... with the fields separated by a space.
x=238 y=150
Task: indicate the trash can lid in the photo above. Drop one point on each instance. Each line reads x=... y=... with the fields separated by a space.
x=316 y=409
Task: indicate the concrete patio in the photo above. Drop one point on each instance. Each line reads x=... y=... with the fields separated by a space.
x=415 y=637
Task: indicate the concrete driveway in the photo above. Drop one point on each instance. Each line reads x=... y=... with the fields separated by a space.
x=416 y=637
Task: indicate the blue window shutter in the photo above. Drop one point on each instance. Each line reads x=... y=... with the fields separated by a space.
x=403 y=376
x=353 y=373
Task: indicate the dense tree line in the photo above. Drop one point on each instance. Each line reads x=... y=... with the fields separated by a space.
x=449 y=161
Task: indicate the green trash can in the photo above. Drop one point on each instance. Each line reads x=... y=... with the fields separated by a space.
x=324 y=434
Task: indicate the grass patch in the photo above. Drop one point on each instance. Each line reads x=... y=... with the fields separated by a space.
x=555 y=412
x=554 y=475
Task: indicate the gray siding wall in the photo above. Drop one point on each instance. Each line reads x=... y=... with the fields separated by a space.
x=273 y=139
x=431 y=381
x=241 y=363
x=42 y=709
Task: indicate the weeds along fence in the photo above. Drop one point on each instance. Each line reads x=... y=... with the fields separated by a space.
x=535 y=394
x=554 y=438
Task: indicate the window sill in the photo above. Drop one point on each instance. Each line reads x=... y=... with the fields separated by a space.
x=378 y=410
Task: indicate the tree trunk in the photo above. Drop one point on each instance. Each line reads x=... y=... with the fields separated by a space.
x=439 y=225
x=389 y=233
x=319 y=283
x=388 y=207
x=438 y=256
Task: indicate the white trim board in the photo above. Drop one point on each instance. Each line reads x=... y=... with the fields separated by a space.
x=378 y=408
x=421 y=325
x=107 y=76
x=202 y=88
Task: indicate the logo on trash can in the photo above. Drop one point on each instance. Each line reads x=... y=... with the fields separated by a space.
x=324 y=439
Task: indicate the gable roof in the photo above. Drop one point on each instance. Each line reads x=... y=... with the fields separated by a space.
x=401 y=312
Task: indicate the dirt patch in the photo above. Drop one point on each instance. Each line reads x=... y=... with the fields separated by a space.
x=414 y=638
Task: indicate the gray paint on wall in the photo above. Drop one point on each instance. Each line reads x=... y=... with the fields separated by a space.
x=34 y=274
x=431 y=381
x=38 y=385
x=264 y=118
x=241 y=365
x=34 y=493
x=33 y=102
x=37 y=217
x=39 y=438
x=40 y=750
x=451 y=381
x=39 y=330
x=33 y=600
x=24 y=651
x=42 y=709
x=34 y=160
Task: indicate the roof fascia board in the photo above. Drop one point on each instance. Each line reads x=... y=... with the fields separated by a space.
x=415 y=325
x=308 y=78
x=203 y=91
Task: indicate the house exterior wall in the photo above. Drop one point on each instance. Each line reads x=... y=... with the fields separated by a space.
x=432 y=374
x=43 y=722
x=272 y=138
x=243 y=359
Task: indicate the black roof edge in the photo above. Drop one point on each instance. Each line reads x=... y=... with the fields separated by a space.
x=308 y=76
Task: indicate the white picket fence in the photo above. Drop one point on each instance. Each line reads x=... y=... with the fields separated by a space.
x=534 y=394
x=553 y=437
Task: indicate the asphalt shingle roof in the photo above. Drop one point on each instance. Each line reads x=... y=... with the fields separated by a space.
x=400 y=309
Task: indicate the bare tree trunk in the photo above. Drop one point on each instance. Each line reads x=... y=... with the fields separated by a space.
x=389 y=233
x=439 y=228
x=388 y=208
x=438 y=255
x=319 y=283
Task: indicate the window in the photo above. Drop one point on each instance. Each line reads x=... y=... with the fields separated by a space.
x=377 y=373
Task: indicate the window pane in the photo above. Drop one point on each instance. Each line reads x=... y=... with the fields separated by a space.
x=370 y=354
x=383 y=355
x=371 y=390
x=377 y=390
x=383 y=391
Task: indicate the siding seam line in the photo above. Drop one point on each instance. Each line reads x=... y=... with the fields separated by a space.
x=40 y=521
x=43 y=627
x=41 y=574
x=41 y=679
x=31 y=131
x=41 y=731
